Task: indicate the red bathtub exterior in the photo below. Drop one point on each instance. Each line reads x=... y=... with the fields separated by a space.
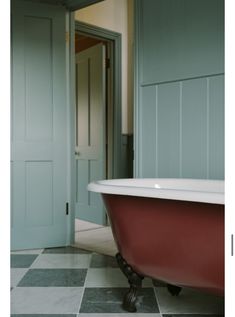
x=179 y=242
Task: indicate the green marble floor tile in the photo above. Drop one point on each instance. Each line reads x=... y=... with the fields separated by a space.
x=53 y=277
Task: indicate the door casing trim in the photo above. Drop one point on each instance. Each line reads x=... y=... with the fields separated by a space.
x=95 y=31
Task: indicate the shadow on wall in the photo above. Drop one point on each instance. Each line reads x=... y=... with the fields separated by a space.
x=127 y=156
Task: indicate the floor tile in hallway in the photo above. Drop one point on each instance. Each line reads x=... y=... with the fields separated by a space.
x=94 y=237
x=70 y=282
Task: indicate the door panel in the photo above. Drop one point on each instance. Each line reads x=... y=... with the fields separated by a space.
x=90 y=131
x=39 y=130
x=38 y=177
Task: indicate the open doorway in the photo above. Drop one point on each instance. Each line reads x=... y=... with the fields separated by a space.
x=98 y=128
x=92 y=122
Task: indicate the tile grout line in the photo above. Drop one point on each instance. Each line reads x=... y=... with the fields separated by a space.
x=79 y=306
x=84 y=286
x=30 y=267
x=155 y=293
x=89 y=265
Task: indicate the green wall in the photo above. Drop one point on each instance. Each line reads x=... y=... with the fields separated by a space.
x=179 y=109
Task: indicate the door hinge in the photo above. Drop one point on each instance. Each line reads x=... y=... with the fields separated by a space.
x=66 y=37
x=67 y=208
x=232 y=251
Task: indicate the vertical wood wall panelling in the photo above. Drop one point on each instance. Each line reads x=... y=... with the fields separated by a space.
x=168 y=127
x=148 y=135
x=216 y=127
x=179 y=132
x=194 y=128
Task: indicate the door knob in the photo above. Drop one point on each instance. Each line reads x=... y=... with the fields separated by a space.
x=77 y=153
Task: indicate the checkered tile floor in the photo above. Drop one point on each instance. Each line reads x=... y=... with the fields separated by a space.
x=70 y=282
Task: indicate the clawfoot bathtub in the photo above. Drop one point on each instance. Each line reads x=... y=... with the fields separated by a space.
x=167 y=229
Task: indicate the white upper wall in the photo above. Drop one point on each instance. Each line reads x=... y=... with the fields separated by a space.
x=117 y=16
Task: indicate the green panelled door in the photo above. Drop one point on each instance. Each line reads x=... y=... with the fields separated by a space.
x=39 y=126
x=90 y=132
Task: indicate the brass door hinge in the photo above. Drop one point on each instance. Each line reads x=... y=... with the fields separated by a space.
x=67 y=37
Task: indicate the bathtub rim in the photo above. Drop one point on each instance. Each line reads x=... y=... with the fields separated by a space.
x=124 y=187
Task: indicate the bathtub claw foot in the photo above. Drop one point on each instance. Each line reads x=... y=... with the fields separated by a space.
x=135 y=281
x=173 y=290
x=129 y=300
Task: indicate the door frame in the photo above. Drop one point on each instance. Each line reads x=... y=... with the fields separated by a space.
x=116 y=38
x=71 y=27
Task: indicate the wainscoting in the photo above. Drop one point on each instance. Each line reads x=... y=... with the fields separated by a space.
x=179 y=96
x=182 y=129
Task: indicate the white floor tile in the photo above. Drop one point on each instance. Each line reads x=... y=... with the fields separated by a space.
x=103 y=234
x=109 y=277
x=106 y=277
x=66 y=261
x=188 y=302
x=97 y=240
x=81 y=225
x=102 y=248
x=16 y=275
x=46 y=300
